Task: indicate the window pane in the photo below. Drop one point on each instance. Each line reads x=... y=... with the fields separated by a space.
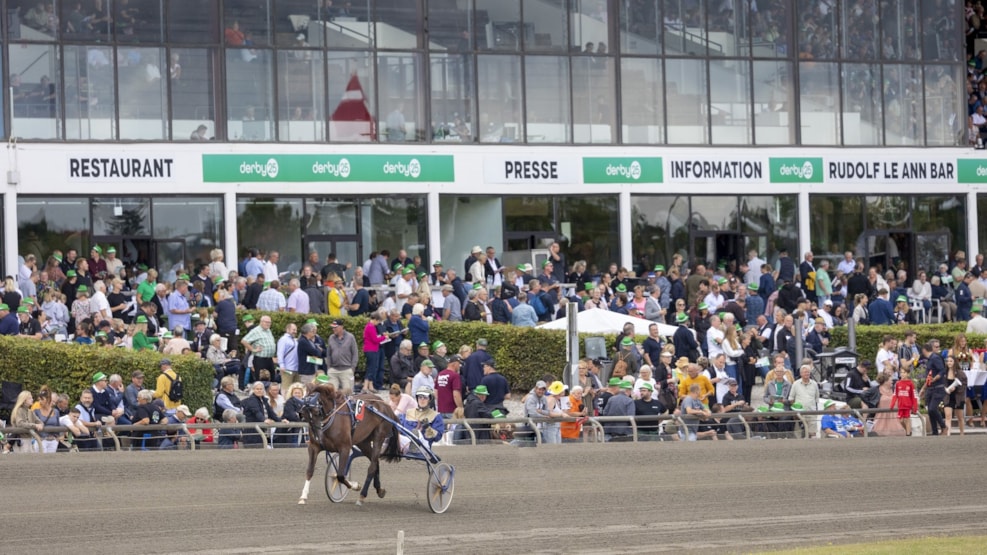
x=397 y=25
x=547 y=97
x=771 y=22
x=498 y=25
x=138 y=20
x=247 y=22
x=888 y=211
x=193 y=92
x=301 y=100
x=271 y=224
x=862 y=123
x=943 y=110
x=817 y=29
x=298 y=17
x=193 y=21
x=86 y=23
x=197 y=221
x=499 y=97
x=728 y=28
x=775 y=216
x=330 y=216
x=590 y=28
x=548 y=22
x=143 y=93
x=249 y=95
x=899 y=22
x=352 y=104
x=774 y=123
x=121 y=216
x=527 y=214
x=903 y=118
x=731 y=101
x=837 y=224
x=686 y=91
x=35 y=21
x=640 y=27
x=450 y=26
x=944 y=214
x=594 y=226
x=819 y=103
x=593 y=100
x=33 y=92
x=661 y=228
x=394 y=224
x=685 y=27
x=452 y=97
x=642 y=101
x=89 y=96
x=717 y=213
x=401 y=91
x=861 y=34
x=44 y=225
x=940 y=35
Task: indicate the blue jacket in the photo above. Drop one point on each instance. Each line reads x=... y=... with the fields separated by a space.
x=685 y=343
x=226 y=316
x=881 y=312
x=307 y=349
x=755 y=308
x=418 y=327
x=766 y=287
x=10 y=325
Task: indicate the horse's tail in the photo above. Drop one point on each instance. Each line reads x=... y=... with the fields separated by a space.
x=393 y=451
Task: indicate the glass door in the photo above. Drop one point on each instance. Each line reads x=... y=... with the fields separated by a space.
x=170 y=259
x=345 y=247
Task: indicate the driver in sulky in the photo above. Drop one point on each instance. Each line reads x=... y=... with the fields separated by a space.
x=423 y=418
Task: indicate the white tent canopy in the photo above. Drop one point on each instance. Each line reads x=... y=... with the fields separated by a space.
x=604 y=321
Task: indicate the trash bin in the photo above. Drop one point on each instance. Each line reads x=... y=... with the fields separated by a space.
x=833 y=370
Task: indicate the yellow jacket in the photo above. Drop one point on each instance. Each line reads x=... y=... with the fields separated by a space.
x=335 y=303
x=164 y=386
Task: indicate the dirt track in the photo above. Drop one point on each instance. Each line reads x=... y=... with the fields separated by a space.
x=738 y=496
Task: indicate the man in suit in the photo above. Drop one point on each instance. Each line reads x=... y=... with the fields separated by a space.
x=807 y=275
x=492 y=268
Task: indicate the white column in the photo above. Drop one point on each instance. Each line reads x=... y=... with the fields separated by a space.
x=804 y=226
x=10 y=232
x=626 y=229
x=434 y=230
x=231 y=246
x=972 y=226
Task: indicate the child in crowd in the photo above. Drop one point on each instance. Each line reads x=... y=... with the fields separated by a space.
x=906 y=401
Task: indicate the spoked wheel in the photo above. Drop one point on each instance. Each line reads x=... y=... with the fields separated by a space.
x=441 y=483
x=335 y=489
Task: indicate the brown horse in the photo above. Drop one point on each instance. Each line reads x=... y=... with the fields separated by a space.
x=336 y=429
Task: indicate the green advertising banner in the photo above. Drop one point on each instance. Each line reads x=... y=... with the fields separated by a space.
x=307 y=168
x=971 y=170
x=622 y=170
x=796 y=170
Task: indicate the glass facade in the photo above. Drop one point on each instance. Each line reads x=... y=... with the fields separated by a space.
x=163 y=232
x=694 y=72
x=889 y=231
x=351 y=227
x=710 y=229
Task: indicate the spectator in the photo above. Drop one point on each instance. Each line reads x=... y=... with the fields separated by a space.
x=148 y=413
x=165 y=381
x=418 y=325
x=271 y=299
x=372 y=338
x=287 y=353
x=402 y=367
x=342 y=357
x=257 y=408
x=400 y=401
x=495 y=382
x=230 y=437
x=260 y=341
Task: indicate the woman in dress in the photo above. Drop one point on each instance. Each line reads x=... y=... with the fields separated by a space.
x=886 y=423
x=955 y=402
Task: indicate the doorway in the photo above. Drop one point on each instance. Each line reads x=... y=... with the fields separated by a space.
x=891 y=250
x=716 y=247
x=346 y=248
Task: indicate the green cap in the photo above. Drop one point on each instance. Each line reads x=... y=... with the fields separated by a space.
x=70 y=273
x=762 y=408
x=797 y=406
x=28 y=300
x=648 y=386
x=589 y=286
x=437 y=344
x=977 y=307
x=217 y=280
x=111 y=250
x=142 y=267
x=428 y=363
x=266 y=283
x=101 y=334
x=546 y=263
x=901 y=299
x=422 y=344
x=141 y=319
x=437 y=263
x=681 y=318
x=23 y=310
x=312 y=321
x=82 y=289
x=183 y=276
x=659 y=268
x=322 y=378
x=57 y=257
x=626 y=384
x=481 y=390
x=396 y=266
x=739 y=327
x=614 y=381
x=627 y=342
x=621 y=288
x=407 y=271
x=477 y=286
x=248 y=318
x=721 y=280
x=720 y=315
x=703 y=306
x=496 y=413
x=167 y=335
x=98 y=376
x=410 y=267
x=421 y=275
x=752 y=287
x=828 y=403
x=778 y=407
x=98 y=249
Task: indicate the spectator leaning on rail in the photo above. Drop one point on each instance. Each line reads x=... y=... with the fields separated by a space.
x=620 y=404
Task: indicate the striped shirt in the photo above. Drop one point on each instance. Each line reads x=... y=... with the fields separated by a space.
x=259 y=337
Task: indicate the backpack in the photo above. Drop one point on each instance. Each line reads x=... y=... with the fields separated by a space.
x=175 y=392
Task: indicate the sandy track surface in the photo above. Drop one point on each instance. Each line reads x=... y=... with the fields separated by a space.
x=740 y=496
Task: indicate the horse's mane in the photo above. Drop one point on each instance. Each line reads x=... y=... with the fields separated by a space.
x=328 y=395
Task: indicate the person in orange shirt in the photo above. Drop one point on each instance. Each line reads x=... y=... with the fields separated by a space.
x=693 y=376
x=571 y=431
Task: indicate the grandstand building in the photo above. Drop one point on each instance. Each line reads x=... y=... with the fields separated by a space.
x=629 y=130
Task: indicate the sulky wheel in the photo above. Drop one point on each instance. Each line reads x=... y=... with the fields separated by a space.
x=441 y=483
x=334 y=489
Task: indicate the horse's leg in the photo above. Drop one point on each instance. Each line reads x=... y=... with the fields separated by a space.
x=379 y=444
x=345 y=452
x=371 y=452
x=313 y=453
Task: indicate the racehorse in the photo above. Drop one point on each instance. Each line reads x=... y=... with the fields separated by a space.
x=337 y=424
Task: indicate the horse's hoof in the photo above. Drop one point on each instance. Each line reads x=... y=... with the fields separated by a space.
x=381 y=493
x=355 y=486
x=301 y=501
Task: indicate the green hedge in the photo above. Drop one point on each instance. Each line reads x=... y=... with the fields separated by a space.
x=68 y=368
x=523 y=355
x=869 y=337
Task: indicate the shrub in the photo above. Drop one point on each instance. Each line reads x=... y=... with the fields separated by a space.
x=69 y=368
x=523 y=355
x=869 y=337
